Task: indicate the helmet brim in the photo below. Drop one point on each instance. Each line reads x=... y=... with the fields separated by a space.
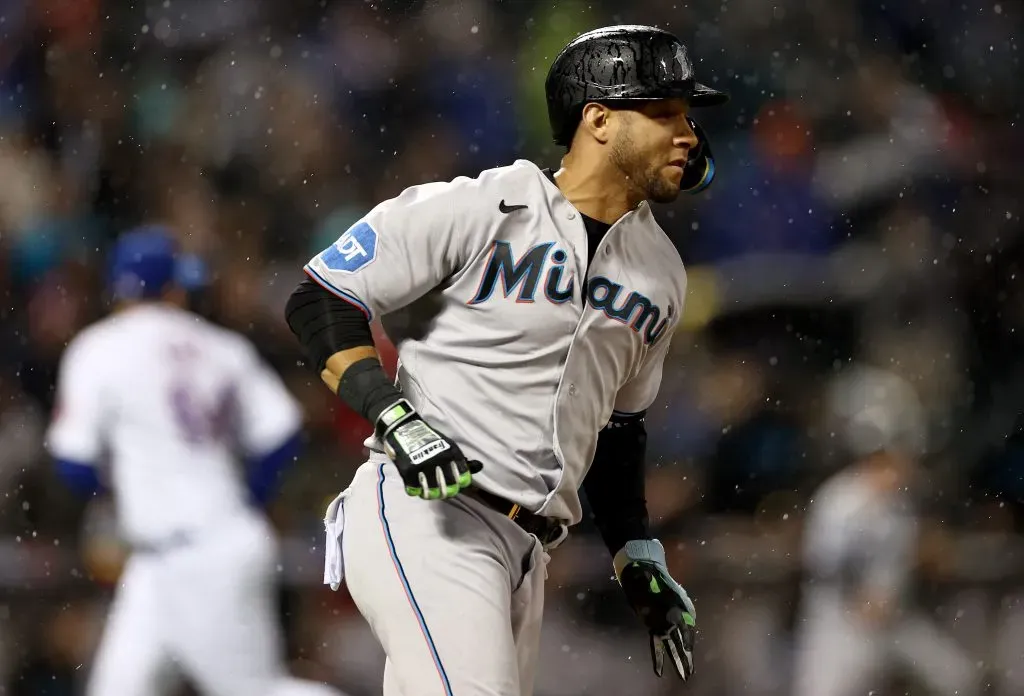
x=695 y=93
x=703 y=95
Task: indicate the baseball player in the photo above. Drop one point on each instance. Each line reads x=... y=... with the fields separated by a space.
x=169 y=406
x=856 y=617
x=532 y=311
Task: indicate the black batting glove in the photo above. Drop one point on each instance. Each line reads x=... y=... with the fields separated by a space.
x=660 y=602
x=700 y=163
x=432 y=466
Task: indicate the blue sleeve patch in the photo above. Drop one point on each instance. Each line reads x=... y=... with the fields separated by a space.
x=355 y=249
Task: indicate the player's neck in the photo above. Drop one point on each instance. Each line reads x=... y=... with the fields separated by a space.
x=595 y=188
x=126 y=305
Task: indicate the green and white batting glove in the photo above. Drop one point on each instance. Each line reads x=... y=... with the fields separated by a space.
x=660 y=602
x=431 y=465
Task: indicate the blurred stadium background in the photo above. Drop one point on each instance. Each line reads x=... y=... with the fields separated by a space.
x=867 y=212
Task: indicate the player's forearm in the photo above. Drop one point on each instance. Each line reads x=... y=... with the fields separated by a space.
x=615 y=484
x=326 y=325
x=336 y=336
x=338 y=364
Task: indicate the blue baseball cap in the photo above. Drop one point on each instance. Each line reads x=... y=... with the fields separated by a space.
x=143 y=263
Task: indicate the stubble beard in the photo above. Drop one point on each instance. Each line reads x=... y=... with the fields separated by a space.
x=643 y=179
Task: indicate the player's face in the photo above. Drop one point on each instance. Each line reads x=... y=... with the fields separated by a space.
x=650 y=147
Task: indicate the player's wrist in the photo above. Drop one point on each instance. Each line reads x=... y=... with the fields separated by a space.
x=392 y=416
x=367 y=389
x=639 y=550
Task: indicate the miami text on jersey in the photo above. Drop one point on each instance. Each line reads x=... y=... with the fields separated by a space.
x=603 y=294
x=524 y=273
x=636 y=311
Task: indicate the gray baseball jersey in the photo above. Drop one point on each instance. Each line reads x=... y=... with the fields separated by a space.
x=479 y=282
x=859 y=545
x=858 y=540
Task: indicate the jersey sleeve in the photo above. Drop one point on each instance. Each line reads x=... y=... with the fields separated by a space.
x=76 y=430
x=268 y=413
x=639 y=393
x=399 y=251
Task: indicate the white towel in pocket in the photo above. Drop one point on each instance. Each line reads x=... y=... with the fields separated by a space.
x=334 y=526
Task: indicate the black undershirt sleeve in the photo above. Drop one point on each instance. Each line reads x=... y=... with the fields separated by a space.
x=614 y=485
x=324 y=323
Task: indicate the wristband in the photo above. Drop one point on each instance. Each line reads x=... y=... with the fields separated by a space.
x=392 y=416
x=643 y=550
x=366 y=389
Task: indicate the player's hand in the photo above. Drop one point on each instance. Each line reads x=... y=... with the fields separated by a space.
x=431 y=465
x=699 y=171
x=660 y=602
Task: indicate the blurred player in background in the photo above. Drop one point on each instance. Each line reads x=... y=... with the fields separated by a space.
x=856 y=618
x=168 y=406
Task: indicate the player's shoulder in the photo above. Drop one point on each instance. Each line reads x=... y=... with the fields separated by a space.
x=661 y=250
x=227 y=340
x=134 y=326
x=107 y=343
x=518 y=172
x=468 y=193
x=90 y=342
x=659 y=239
x=840 y=497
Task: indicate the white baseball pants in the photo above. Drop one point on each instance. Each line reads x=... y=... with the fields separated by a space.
x=839 y=656
x=453 y=590
x=205 y=610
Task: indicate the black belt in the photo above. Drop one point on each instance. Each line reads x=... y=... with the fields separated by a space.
x=544 y=528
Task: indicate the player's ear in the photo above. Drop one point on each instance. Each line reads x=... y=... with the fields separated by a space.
x=597 y=121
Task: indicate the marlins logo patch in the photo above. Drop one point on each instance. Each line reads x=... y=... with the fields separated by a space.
x=353 y=250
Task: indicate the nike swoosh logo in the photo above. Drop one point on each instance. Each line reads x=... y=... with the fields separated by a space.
x=509 y=208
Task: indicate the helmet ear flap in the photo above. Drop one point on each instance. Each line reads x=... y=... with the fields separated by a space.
x=699 y=171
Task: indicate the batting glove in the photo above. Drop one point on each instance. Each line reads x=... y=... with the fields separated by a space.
x=699 y=171
x=660 y=602
x=431 y=465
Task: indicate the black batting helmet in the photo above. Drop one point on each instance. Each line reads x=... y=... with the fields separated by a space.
x=620 y=63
